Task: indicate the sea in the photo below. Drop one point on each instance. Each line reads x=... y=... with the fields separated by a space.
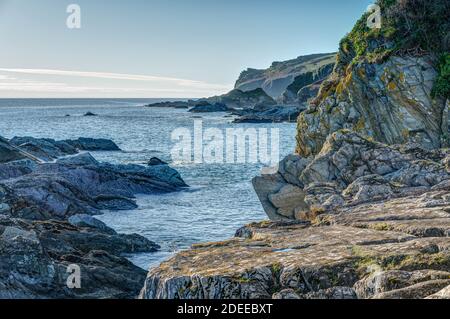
x=220 y=198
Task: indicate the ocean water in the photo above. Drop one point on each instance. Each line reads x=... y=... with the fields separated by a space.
x=220 y=198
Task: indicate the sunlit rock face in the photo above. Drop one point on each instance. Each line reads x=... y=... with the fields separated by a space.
x=390 y=102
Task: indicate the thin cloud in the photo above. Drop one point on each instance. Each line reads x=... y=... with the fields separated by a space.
x=119 y=76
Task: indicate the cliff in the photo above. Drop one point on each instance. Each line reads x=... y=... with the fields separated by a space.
x=363 y=209
x=390 y=84
x=283 y=80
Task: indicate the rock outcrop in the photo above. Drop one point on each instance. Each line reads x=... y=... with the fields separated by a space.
x=395 y=248
x=390 y=84
x=50 y=149
x=349 y=170
x=360 y=220
x=47 y=227
x=363 y=209
x=285 y=79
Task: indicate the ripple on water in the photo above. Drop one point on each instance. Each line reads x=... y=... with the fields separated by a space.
x=220 y=200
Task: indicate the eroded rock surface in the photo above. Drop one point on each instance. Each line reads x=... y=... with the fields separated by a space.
x=396 y=248
x=350 y=170
x=46 y=222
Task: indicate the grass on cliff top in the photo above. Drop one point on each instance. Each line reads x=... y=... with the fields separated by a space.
x=409 y=27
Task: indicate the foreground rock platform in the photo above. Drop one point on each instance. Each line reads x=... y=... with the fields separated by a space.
x=398 y=248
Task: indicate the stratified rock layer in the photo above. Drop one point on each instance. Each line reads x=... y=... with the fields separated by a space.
x=349 y=254
x=47 y=227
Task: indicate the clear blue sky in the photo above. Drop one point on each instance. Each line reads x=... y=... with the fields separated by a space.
x=165 y=48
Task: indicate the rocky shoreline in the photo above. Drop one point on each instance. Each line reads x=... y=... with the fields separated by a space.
x=49 y=193
x=362 y=209
x=344 y=230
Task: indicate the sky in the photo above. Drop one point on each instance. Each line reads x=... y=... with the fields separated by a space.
x=158 y=48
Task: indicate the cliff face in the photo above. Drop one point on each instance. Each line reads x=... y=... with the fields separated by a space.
x=363 y=209
x=283 y=80
x=387 y=83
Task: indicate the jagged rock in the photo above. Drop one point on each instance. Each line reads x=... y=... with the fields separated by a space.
x=16 y=169
x=381 y=283
x=65 y=189
x=315 y=261
x=417 y=291
x=8 y=153
x=45 y=226
x=84 y=159
x=45 y=148
x=35 y=257
x=351 y=170
x=384 y=83
x=49 y=149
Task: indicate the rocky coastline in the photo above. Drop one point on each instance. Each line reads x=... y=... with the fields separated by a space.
x=361 y=210
x=49 y=193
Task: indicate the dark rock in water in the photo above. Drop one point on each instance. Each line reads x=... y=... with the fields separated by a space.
x=44 y=148
x=90 y=114
x=46 y=223
x=175 y=104
x=93 y=144
x=8 y=153
x=61 y=190
x=154 y=161
x=205 y=107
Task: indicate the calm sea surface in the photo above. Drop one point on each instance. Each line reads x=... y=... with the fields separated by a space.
x=220 y=199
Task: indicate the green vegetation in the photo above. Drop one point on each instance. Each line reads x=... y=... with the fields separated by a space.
x=442 y=86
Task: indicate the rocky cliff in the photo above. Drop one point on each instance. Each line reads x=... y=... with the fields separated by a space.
x=283 y=80
x=362 y=210
x=388 y=83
